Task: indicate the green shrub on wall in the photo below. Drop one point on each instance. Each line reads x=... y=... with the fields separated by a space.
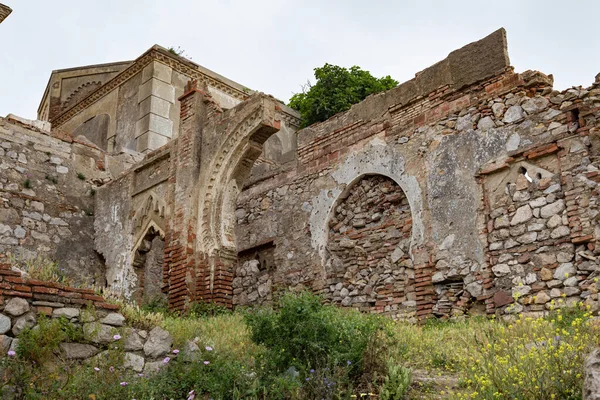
x=336 y=90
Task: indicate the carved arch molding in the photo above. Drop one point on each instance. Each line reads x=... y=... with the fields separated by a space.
x=149 y=215
x=228 y=168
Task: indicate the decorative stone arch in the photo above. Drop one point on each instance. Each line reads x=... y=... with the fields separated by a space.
x=231 y=164
x=210 y=159
x=150 y=214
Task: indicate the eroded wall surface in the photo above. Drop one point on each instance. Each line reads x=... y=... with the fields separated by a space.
x=498 y=171
x=470 y=189
x=47 y=189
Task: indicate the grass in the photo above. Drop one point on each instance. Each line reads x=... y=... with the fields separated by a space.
x=477 y=358
x=226 y=332
x=42 y=269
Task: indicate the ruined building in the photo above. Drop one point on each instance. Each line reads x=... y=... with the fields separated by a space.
x=469 y=189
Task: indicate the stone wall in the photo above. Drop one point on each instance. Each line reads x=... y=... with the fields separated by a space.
x=470 y=189
x=47 y=187
x=499 y=171
x=369 y=242
x=23 y=301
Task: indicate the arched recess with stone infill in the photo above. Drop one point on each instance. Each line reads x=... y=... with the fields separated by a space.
x=147 y=263
x=369 y=265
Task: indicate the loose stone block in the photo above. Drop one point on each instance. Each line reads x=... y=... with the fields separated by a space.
x=16 y=306
x=5 y=324
x=158 y=344
x=78 y=351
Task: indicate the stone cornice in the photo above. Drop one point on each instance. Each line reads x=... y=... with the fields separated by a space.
x=161 y=55
x=4 y=12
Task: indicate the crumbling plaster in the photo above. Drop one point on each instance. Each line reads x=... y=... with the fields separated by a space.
x=374 y=158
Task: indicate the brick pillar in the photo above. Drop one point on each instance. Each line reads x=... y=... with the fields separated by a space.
x=424 y=270
x=181 y=262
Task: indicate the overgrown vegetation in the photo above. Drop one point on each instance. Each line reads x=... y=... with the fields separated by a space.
x=41 y=268
x=179 y=52
x=306 y=350
x=336 y=89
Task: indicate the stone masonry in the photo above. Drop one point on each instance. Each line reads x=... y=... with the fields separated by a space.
x=24 y=301
x=48 y=183
x=498 y=170
x=470 y=189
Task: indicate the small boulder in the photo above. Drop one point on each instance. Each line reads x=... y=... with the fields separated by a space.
x=523 y=214
x=98 y=333
x=564 y=271
x=114 y=319
x=67 y=312
x=542 y=298
x=475 y=289
x=134 y=362
x=16 y=307
x=24 y=322
x=133 y=341
x=513 y=114
x=501 y=269
x=159 y=343
x=5 y=324
x=191 y=351
x=78 y=351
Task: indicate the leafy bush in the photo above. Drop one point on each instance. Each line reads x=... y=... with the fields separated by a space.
x=306 y=334
x=336 y=90
x=30 y=372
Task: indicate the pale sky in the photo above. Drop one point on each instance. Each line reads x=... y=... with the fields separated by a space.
x=273 y=46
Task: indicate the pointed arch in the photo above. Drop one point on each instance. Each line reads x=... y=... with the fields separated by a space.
x=150 y=215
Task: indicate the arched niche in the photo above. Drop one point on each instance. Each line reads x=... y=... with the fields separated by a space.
x=375 y=158
x=368 y=247
x=147 y=264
